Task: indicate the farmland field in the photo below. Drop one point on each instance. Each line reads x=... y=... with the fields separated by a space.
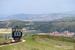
x=5 y=31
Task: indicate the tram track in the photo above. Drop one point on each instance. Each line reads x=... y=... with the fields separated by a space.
x=10 y=43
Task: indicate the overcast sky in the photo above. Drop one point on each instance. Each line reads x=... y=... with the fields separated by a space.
x=36 y=6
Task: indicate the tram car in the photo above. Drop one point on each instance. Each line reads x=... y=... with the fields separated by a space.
x=17 y=33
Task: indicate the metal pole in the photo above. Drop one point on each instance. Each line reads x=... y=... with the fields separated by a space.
x=5 y=37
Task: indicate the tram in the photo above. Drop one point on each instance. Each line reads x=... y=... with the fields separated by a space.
x=17 y=33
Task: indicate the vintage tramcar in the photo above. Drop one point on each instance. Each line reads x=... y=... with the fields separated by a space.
x=17 y=33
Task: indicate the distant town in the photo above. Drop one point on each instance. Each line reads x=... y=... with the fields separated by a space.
x=56 y=33
x=64 y=34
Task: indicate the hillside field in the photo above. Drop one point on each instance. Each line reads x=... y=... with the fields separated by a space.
x=42 y=43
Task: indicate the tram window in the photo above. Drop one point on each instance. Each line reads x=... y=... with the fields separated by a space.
x=21 y=30
x=13 y=30
x=17 y=29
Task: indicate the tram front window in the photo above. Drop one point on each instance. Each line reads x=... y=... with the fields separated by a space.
x=18 y=30
x=13 y=30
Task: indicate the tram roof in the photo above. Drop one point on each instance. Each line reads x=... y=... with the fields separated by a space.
x=17 y=27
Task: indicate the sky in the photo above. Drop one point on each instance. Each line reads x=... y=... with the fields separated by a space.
x=36 y=6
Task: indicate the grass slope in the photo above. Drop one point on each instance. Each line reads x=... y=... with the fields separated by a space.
x=40 y=43
x=2 y=39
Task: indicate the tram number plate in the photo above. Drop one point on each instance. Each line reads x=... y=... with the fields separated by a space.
x=17 y=33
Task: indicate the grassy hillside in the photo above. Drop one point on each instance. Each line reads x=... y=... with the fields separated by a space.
x=41 y=43
x=2 y=39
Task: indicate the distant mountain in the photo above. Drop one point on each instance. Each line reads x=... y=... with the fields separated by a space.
x=70 y=13
x=39 y=17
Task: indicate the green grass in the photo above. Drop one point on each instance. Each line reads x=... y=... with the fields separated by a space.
x=57 y=38
x=40 y=43
x=2 y=39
